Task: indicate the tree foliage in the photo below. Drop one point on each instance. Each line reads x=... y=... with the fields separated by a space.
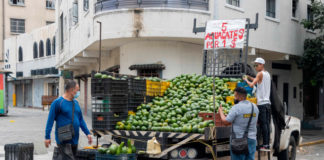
x=312 y=60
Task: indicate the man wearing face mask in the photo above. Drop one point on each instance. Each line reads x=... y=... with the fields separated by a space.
x=61 y=111
x=239 y=116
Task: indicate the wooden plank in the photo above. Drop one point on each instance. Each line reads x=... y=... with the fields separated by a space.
x=47 y=100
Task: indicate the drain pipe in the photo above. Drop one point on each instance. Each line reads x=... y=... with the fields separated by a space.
x=3 y=30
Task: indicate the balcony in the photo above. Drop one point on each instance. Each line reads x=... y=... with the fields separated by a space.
x=107 y=5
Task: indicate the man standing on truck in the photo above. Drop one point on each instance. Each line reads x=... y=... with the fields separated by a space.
x=263 y=82
x=239 y=116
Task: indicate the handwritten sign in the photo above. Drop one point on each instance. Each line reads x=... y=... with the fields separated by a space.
x=227 y=34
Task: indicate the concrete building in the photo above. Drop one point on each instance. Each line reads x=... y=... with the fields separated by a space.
x=22 y=16
x=160 y=32
x=31 y=57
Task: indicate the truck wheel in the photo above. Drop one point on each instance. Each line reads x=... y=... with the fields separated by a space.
x=290 y=152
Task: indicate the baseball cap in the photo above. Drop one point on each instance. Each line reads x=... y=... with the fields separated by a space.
x=259 y=60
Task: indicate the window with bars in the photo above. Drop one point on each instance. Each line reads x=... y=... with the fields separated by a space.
x=85 y=5
x=17 y=25
x=54 y=45
x=35 y=50
x=234 y=2
x=294 y=8
x=17 y=2
x=50 y=4
x=271 y=8
x=41 y=49
x=75 y=12
x=149 y=73
x=310 y=15
x=20 y=54
x=48 y=47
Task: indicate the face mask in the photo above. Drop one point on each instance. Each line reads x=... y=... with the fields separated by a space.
x=77 y=95
x=236 y=101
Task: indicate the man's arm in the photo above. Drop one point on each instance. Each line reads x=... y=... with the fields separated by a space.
x=222 y=116
x=257 y=79
x=49 y=124
x=85 y=129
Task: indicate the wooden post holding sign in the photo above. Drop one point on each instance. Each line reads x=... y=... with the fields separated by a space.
x=228 y=34
x=47 y=101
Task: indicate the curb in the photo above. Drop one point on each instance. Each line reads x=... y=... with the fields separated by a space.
x=312 y=143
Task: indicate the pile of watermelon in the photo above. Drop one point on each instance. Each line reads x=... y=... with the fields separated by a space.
x=178 y=109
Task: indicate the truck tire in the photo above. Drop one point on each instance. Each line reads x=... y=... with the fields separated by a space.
x=290 y=152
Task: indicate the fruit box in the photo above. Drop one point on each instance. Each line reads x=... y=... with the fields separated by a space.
x=210 y=116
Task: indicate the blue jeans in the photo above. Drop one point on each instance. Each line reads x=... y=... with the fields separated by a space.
x=250 y=156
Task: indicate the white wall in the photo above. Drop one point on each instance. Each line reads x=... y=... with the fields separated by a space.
x=120 y=26
x=178 y=57
x=26 y=41
x=10 y=50
x=282 y=34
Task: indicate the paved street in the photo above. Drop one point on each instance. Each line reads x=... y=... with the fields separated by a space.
x=28 y=125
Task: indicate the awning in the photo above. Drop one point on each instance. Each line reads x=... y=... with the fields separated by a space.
x=147 y=66
x=113 y=68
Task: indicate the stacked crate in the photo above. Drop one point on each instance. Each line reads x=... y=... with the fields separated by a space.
x=136 y=94
x=109 y=102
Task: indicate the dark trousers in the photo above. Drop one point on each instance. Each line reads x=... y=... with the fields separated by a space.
x=264 y=121
x=65 y=152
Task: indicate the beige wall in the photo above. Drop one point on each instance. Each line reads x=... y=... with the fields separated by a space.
x=34 y=12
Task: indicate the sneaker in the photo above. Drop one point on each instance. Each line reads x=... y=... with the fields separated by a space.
x=265 y=148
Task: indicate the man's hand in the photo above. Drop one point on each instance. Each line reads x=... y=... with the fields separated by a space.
x=220 y=109
x=47 y=143
x=89 y=139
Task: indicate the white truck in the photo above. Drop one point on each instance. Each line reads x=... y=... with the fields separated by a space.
x=214 y=143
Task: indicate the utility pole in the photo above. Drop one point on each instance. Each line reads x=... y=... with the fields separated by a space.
x=100 y=25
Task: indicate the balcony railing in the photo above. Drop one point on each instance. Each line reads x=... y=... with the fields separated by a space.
x=106 y=5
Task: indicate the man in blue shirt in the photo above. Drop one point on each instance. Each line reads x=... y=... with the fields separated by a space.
x=239 y=116
x=61 y=112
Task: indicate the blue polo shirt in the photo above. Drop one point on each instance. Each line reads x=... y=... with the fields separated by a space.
x=61 y=112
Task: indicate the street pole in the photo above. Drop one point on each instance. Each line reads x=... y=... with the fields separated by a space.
x=100 y=24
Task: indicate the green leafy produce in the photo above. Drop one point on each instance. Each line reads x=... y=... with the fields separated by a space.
x=118 y=149
x=112 y=149
x=178 y=109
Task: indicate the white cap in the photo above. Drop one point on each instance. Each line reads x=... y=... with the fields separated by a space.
x=259 y=60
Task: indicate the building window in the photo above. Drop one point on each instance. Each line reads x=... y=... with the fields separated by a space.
x=48 y=47
x=271 y=8
x=41 y=49
x=61 y=32
x=35 y=50
x=149 y=72
x=17 y=25
x=310 y=15
x=85 y=5
x=294 y=8
x=49 y=22
x=50 y=4
x=17 y=2
x=53 y=46
x=20 y=54
x=234 y=2
x=75 y=14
